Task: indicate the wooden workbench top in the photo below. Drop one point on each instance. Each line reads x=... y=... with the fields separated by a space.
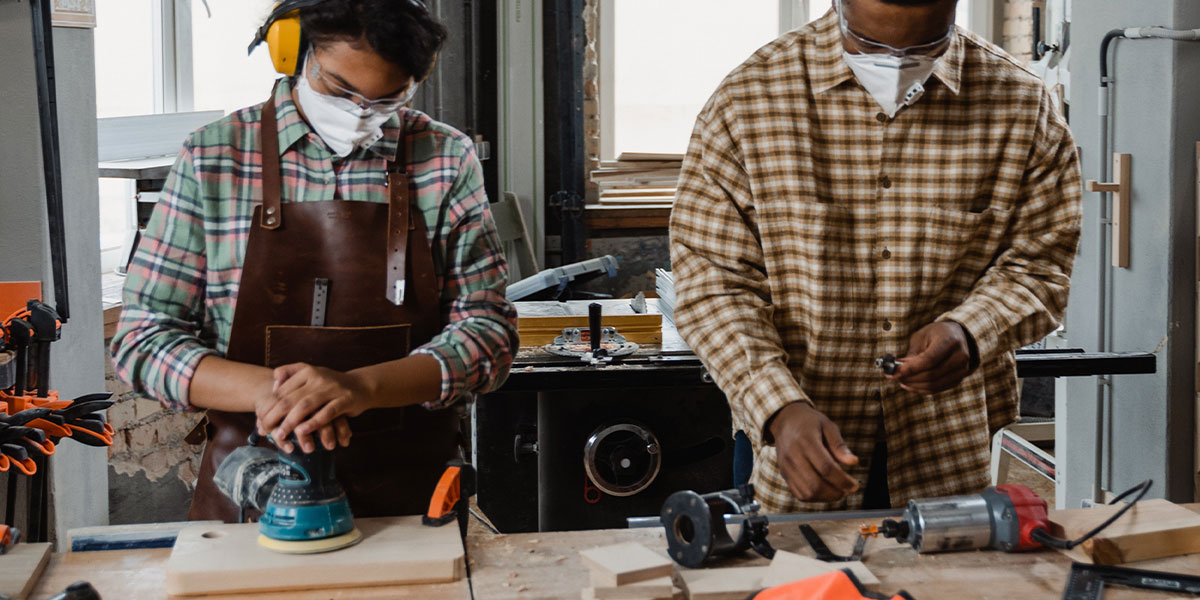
x=545 y=566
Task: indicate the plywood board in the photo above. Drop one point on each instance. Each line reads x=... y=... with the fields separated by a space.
x=623 y=564
x=21 y=567
x=653 y=589
x=394 y=550
x=1151 y=529
x=787 y=567
x=734 y=583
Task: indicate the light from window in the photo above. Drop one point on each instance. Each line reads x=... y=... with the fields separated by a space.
x=124 y=58
x=225 y=78
x=669 y=57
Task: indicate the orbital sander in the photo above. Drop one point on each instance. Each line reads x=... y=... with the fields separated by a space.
x=304 y=508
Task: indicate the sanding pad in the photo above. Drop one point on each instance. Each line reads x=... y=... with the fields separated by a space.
x=328 y=544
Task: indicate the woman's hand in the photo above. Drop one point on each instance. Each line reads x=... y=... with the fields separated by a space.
x=307 y=400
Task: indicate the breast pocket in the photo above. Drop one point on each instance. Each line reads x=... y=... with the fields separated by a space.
x=956 y=247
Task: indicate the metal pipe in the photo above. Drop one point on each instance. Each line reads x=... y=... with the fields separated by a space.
x=733 y=519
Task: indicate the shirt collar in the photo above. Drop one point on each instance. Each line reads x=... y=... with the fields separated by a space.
x=293 y=127
x=828 y=69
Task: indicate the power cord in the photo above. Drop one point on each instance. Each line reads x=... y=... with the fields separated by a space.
x=1044 y=538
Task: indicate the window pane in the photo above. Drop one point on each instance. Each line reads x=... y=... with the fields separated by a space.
x=669 y=56
x=124 y=58
x=224 y=77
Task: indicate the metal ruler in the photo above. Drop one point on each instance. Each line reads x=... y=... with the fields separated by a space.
x=1087 y=582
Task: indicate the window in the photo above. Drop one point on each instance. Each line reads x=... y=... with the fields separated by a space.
x=224 y=77
x=124 y=58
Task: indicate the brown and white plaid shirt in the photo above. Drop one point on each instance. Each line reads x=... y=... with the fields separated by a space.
x=812 y=234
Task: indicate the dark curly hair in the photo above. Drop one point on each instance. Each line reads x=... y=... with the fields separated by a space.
x=401 y=31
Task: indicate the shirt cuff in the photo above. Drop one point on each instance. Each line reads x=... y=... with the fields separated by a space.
x=768 y=391
x=178 y=384
x=447 y=395
x=982 y=333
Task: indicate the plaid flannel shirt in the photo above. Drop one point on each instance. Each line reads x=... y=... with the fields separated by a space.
x=812 y=233
x=182 y=285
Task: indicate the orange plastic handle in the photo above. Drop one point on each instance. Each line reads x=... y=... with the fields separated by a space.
x=446 y=494
x=26 y=466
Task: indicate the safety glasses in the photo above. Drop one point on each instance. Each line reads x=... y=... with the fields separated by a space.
x=383 y=105
x=867 y=45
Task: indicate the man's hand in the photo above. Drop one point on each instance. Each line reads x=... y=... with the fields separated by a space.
x=809 y=447
x=307 y=400
x=939 y=357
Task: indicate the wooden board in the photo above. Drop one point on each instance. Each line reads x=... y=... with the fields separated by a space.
x=1151 y=529
x=21 y=567
x=540 y=322
x=623 y=564
x=394 y=550
x=734 y=583
x=654 y=589
x=644 y=156
x=787 y=567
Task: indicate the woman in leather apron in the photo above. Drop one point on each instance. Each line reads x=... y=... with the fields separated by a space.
x=335 y=295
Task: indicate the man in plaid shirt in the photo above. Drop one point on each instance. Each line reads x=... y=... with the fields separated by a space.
x=183 y=283
x=877 y=182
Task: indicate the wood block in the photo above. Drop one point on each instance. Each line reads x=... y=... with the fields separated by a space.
x=787 y=567
x=21 y=567
x=622 y=564
x=652 y=589
x=722 y=584
x=1151 y=529
x=393 y=551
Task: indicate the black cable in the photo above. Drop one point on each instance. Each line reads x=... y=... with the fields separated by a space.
x=1108 y=38
x=1044 y=538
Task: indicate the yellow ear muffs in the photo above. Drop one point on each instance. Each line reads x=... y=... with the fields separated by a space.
x=283 y=41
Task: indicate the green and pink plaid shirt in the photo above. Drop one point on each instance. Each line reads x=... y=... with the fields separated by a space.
x=182 y=284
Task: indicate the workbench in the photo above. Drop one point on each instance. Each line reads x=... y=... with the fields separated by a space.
x=546 y=566
x=530 y=435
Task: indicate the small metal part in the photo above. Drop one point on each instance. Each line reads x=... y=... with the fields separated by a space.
x=398 y=289
x=622 y=459
x=697 y=530
x=888 y=363
x=638 y=304
x=320 y=301
x=572 y=344
x=1088 y=582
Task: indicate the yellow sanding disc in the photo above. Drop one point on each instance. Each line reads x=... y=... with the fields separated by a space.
x=328 y=544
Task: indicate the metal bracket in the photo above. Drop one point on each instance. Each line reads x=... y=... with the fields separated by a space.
x=320 y=301
x=1121 y=188
x=824 y=553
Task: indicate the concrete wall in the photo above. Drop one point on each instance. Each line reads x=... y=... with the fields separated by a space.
x=78 y=483
x=1156 y=94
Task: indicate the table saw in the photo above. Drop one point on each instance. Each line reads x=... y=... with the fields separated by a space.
x=531 y=437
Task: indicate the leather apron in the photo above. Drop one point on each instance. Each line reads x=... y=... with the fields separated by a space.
x=362 y=249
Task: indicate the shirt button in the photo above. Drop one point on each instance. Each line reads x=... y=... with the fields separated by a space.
x=887 y=325
x=881 y=117
x=885 y=181
x=886 y=253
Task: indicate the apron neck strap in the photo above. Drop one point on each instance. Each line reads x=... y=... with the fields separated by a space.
x=272 y=216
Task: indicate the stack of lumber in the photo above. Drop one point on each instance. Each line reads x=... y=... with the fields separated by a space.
x=628 y=571
x=540 y=322
x=639 y=169
x=1151 y=529
x=636 y=191
x=664 y=286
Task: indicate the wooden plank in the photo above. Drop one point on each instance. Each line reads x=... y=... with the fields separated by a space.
x=734 y=583
x=1151 y=529
x=661 y=588
x=643 y=156
x=787 y=567
x=638 y=201
x=141 y=574
x=622 y=564
x=628 y=217
x=21 y=567
x=227 y=559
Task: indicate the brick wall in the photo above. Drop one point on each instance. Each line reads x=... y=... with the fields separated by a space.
x=591 y=95
x=1017 y=33
x=152 y=471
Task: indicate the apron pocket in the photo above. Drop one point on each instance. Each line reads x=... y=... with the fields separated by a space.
x=337 y=348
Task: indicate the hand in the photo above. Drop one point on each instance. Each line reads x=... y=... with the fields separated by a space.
x=809 y=447
x=307 y=400
x=939 y=357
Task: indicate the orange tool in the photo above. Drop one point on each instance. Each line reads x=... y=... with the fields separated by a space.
x=9 y=536
x=838 y=585
x=449 y=501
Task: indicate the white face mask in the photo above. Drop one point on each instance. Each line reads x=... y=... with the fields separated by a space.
x=891 y=80
x=343 y=124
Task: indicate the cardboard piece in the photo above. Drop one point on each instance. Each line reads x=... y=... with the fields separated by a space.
x=21 y=567
x=622 y=564
x=787 y=567
x=722 y=584
x=1151 y=529
x=394 y=551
